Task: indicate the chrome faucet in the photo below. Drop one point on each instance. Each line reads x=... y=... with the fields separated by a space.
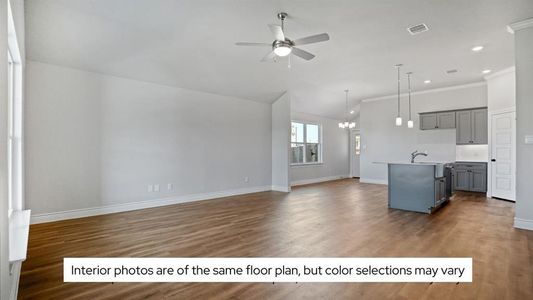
x=415 y=154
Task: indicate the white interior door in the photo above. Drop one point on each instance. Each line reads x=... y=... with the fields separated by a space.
x=355 y=153
x=503 y=150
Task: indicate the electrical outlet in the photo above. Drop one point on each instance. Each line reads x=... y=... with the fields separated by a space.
x=246 y=179
x=150 y=188
x=170 y=186
x=156 y=188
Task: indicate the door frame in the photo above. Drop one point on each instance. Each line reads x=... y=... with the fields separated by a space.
x=353 y=132
x=489 y=163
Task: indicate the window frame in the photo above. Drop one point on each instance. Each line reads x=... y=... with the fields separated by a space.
x=15 y=143
x=305 y=143
x=10 y=130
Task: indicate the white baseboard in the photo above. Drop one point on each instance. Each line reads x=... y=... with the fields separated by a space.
x=374 y=181
x=16 y=278
x=122 y=207
x=523 y=224
x=317 y=180
x=279 y=188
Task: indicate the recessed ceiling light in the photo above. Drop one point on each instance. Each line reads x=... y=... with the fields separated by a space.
x=427 y=81
x=486 y=71
x=352 y=112
x=477 y=48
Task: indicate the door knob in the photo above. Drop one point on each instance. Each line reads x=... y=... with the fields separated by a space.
x=493 y=159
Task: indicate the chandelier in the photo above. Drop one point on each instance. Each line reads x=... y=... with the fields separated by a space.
x=346 y=123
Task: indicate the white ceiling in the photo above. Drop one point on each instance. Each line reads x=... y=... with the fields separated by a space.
x=190 y=44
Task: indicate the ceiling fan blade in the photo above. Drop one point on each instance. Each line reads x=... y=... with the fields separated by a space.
x=269 y=57
x=302 y=53
x=312 y=39
x=253 y=44
x=277 y=31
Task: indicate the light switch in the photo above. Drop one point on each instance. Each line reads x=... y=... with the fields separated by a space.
x=528 y=139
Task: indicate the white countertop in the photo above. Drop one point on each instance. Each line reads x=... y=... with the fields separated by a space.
x=418 y=163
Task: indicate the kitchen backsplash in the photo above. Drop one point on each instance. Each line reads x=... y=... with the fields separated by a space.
x=472 y=153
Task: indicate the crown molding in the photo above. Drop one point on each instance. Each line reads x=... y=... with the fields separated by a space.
x=436 y=90
x=520 y=25
x=500 y=73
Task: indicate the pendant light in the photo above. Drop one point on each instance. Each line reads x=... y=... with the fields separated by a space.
x=346 y=124
x=398 y=118
x=410 y=123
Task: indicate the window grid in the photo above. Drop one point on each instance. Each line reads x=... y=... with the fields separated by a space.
x=300 y=150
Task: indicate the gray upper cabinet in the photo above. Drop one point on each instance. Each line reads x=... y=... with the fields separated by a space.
x=446 y=120
x=428 y=121
x=479 y=126
x=464 y=127
x=472 y=127
x=471 y=124
x=441 y=120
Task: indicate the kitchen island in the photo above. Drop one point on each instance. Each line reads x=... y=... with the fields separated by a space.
x=420 y=187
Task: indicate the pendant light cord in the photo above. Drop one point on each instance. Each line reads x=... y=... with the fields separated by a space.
x=346 y=112
x=398 y=66
x=409 y=85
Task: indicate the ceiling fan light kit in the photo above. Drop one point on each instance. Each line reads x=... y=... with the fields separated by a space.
x=283 y=46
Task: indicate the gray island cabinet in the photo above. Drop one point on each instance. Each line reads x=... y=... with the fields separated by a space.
x=419 y=187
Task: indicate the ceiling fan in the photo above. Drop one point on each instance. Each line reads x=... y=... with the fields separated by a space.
x=283 y=46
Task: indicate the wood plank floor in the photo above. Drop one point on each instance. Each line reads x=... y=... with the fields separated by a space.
x=340 y=218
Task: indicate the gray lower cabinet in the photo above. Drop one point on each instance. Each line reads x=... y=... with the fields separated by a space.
x=472 y=127
x=471 y=177
x=462 y=180
x=441 y=120
x=440 y=191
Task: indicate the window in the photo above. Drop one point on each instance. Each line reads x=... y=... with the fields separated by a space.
x=357 y=144
x=10 y=135
x=306 y=143
x=14 y=115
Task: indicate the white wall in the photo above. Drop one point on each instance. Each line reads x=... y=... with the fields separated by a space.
x=501 y=90
x=281 y=135
x=95 y=140
x=524 y=126
x=381 y=140
x=335 y=147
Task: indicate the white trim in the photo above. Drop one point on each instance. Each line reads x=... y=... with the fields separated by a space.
x=520 y=25
x=492 y=113
x=351 y=140
x=15 y=273
x=436 y=90
x=317 y=180
x=279 y=188
x=500 y=73
x=523 y=223
x=502 y=110
x=374 y=181
x=122 y=207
